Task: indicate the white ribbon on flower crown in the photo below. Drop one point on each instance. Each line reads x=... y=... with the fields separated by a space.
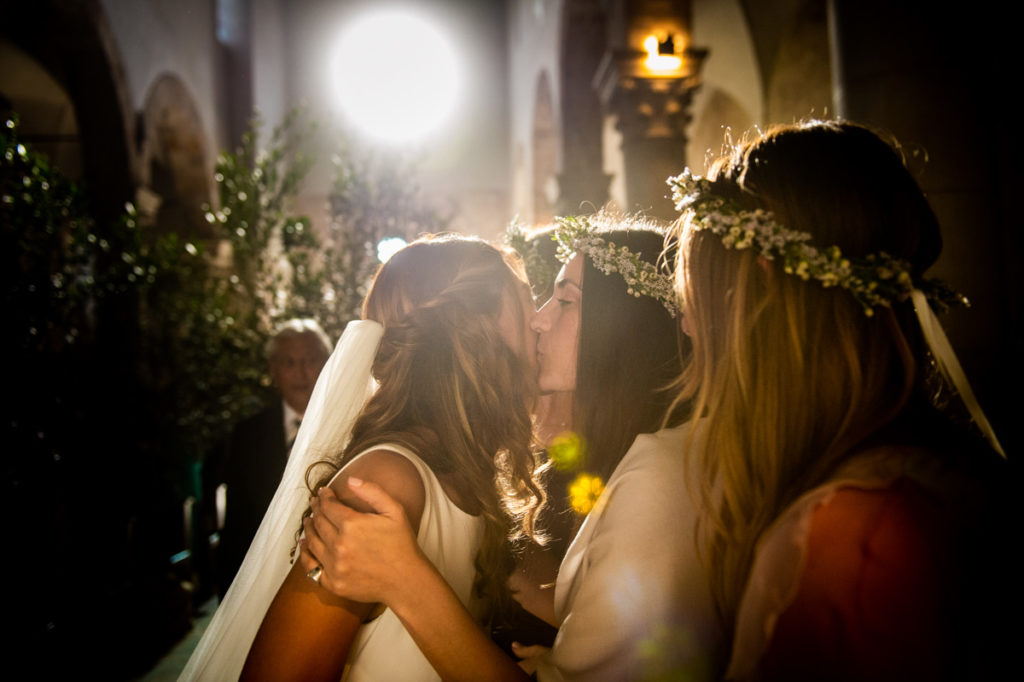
x=949 y=365
x=341 y=391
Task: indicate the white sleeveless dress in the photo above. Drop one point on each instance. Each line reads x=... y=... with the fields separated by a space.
x=450 y=538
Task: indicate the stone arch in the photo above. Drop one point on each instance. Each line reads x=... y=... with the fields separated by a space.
x=545 y=153
x=88 y=69
x=43 y=107
x=174 y=160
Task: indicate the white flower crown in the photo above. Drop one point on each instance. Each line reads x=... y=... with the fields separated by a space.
x=874 y=280
x=576 y=234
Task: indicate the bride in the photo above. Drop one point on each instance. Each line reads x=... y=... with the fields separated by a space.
x=445 y=336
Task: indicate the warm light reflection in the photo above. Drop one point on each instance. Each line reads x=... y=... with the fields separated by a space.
x=660 y=63
x=395 y=75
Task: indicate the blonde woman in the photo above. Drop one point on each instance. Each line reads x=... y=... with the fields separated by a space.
x=445 y=338
x=847 y=523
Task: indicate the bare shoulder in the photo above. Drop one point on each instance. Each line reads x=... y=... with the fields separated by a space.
x=392 y=472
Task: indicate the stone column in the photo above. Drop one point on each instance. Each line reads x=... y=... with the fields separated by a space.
x=234 y=38
x=582 y=182
x=652 y=116
x=649 y=89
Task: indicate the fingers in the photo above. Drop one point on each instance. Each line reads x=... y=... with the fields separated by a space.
x=325 y=522
x=325 y=532
x=313 y=545
x=327 y=504
x=528 y=655
x=528 y=650
x=314 y=553
x=323 y=529
x=307 y=558
x=374 y=495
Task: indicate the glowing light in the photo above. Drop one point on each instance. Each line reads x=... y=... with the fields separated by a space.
x=395 y=75
x=566 y=451
x=387 y=247
x=660 y=63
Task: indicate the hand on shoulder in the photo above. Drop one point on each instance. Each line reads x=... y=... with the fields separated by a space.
x=366 y=555
x=393 y=473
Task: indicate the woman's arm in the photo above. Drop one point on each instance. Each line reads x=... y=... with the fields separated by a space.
x=307 y=631
x=374 y=557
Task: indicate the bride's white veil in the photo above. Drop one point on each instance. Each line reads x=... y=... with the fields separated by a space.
x=341 y=391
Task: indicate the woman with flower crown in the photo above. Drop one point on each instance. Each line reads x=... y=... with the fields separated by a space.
x=428 y=397
x=630 y=600
x=851 y=530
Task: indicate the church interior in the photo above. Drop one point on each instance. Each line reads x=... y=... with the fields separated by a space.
x=563 y=107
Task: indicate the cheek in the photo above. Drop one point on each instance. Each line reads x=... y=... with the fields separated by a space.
x=564 y=348
x=570 y=337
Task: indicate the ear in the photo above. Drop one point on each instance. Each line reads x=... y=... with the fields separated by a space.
x=686 y=325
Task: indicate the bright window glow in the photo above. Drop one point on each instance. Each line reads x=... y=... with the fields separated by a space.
x=659 y=62
x=395 y=75
x=387 y=247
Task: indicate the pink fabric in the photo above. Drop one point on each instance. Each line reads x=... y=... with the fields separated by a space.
x=847 y=583
x=869 y=600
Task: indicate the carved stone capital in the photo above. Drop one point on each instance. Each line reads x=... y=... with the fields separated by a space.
x=647 y=106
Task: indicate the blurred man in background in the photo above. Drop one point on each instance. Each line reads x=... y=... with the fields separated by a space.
x=257 y=450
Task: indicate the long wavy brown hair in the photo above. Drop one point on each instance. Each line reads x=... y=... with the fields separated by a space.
x=792 y=377
x=453 y=391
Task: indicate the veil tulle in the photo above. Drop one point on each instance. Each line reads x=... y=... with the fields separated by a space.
x=340 y=393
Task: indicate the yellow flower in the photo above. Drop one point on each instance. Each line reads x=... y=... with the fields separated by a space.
x=584 y=491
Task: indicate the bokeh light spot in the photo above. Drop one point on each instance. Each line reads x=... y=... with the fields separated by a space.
x=387 y=247
x=566 y=451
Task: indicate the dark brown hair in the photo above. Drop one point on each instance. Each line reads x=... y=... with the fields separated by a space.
x=630 y=352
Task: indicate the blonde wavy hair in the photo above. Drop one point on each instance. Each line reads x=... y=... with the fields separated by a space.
x=451 y=389
x=793 y=378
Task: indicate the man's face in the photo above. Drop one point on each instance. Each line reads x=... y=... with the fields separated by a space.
x=294 y=367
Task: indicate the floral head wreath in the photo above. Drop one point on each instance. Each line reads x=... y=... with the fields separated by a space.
x=539 y=270
x=877 y=279
x=577 y=234
x=874 y=280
